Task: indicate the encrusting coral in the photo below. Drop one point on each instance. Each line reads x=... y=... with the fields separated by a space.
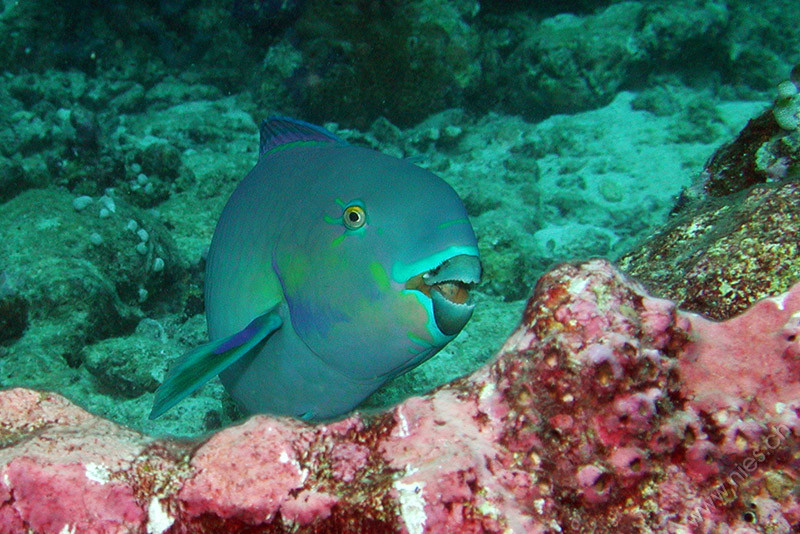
x=733 y=236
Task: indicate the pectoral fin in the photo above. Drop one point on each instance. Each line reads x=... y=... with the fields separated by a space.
x=201 y=364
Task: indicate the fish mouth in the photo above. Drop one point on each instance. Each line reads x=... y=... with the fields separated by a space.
x=448 y=286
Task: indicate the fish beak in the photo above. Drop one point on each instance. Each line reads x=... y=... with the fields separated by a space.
x=448 y=287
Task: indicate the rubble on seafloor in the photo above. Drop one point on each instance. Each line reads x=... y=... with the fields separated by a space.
x=607 y=410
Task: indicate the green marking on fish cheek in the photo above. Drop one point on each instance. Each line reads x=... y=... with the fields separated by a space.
x=338 y=241
x=297 y=272
x=380 y=276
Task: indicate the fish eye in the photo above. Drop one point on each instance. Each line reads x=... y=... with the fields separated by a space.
x=354 y=217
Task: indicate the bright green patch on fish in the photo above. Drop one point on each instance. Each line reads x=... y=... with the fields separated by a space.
x=453 y=222
x=380 y=276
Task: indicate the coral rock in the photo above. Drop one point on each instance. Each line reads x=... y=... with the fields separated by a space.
x=734 y=236
x=607 y=410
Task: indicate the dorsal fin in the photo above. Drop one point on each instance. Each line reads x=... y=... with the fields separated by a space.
x=277 y=131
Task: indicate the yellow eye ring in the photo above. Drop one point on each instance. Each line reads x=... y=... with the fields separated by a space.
x=354 y=217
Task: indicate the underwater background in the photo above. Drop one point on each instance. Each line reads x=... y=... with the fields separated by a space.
x=568 y=128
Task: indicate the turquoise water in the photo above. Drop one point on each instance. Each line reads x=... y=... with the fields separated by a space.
x=568 y=129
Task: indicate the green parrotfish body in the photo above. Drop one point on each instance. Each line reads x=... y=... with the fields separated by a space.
x=333 y=268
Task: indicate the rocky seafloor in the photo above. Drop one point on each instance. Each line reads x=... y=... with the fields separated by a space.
x=579 y=130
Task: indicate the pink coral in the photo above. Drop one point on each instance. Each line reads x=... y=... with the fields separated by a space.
x=594 y=484
x=629 y=463
x=606 y=411
x=246 y=473
x=719 y=369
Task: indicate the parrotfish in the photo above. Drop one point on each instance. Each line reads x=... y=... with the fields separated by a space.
x=333 y=269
